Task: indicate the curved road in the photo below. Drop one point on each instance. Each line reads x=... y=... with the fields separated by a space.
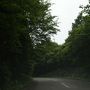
x=59 y=84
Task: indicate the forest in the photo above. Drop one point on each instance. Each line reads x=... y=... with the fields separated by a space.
x=26 y=48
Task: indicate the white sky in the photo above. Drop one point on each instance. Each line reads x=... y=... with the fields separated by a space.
x=67 y=11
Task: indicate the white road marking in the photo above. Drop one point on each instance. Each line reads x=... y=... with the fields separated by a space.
x=65 y=85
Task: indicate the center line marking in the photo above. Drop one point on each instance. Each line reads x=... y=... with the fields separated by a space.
x=65 y=85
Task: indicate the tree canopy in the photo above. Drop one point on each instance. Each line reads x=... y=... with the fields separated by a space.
x=23 y=25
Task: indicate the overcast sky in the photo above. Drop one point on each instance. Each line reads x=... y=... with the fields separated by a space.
x=67 y=11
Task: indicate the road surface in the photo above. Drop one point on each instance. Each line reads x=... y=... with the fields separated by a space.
x=59 y=84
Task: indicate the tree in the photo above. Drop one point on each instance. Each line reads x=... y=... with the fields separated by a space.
x=45 y=59
x=78 y=42
x=14 y=50
x=23 y=25
x=41 y=23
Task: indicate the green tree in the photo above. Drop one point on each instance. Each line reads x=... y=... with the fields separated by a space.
x=23 y=25
x=77 y=46
x=13 y=32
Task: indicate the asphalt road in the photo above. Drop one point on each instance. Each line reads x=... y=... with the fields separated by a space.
x=59 y=84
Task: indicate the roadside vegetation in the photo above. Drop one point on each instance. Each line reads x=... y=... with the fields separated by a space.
x=24 y=25
x=72 y=59
x=26 y=48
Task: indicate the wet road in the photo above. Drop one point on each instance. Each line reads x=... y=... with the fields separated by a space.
x=59 y=84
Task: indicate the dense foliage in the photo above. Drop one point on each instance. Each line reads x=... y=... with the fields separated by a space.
x=46 y=59
x=26 y=48
x=77 y=44
x=23 y=25
x=74 y=55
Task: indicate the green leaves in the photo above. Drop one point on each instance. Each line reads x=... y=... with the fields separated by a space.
x=41 y=22
x=78 y=42
x=24 y=24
